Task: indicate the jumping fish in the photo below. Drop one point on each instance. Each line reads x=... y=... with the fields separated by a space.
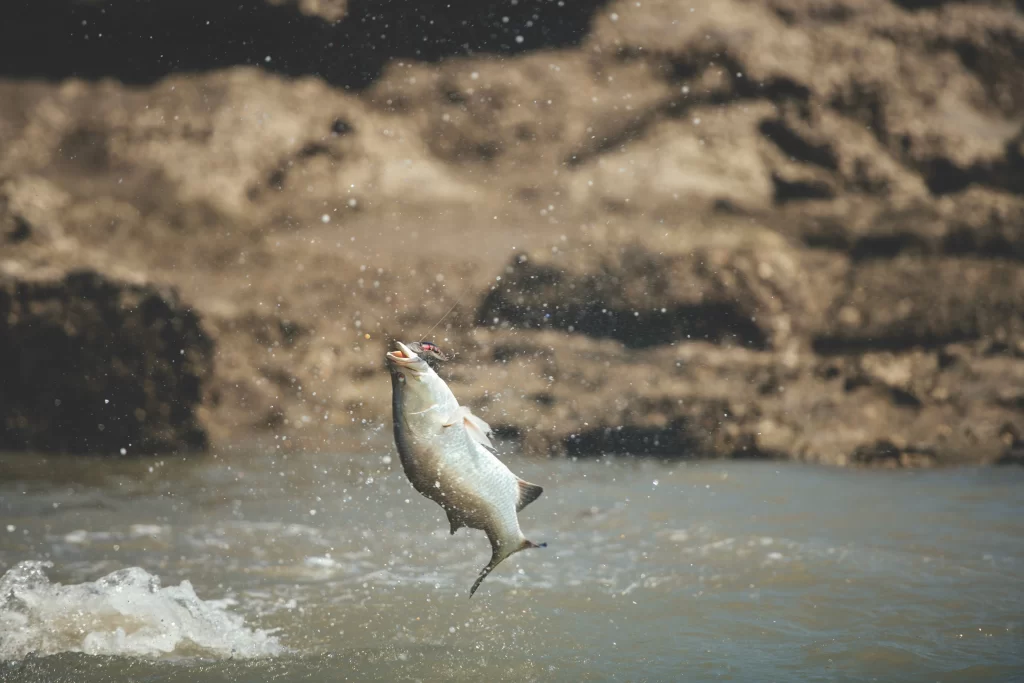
x=447 y=454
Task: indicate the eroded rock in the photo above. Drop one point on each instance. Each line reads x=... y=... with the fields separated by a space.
x=739 y=285
x=577 y=395
x=906 y=302
x=93 y=365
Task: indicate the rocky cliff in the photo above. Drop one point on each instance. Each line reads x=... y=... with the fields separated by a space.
x=791 y=228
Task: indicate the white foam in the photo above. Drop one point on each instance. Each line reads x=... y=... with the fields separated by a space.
x=138 y=530
x=123 y=613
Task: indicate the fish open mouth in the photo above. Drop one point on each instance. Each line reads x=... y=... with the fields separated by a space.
x=403 y=355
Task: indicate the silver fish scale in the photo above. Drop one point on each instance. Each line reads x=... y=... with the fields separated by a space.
x=446 y=465
x=485 y=483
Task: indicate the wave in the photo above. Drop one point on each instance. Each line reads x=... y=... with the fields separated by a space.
x=124 y=613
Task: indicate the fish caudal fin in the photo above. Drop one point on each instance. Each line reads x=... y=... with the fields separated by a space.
x=527 y=494
x=495 y=561
x=498 y=557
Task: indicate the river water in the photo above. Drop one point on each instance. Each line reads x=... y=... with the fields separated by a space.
x=257 y=566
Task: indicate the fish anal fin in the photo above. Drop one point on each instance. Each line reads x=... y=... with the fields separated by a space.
x=477 y=429
x=453 y=520
x=527 y=494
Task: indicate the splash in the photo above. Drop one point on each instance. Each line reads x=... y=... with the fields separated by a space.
x=123 y=613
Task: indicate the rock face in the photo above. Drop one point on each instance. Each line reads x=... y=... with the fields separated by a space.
x=91 y=365
x=910 y=407
x=723 y=228
x=723 y=285
x=907 y=302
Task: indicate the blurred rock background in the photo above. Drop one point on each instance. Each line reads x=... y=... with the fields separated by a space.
x=713 y=228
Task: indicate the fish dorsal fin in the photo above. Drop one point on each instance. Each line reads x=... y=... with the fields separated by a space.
x=527 y=494
x=478 y=430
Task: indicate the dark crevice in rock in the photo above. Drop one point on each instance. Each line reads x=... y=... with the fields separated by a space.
x=830 y=237
x=747 y=448
x=853 y=383
x=634 y=130
x=920 y=4
x=961 y=241
x=1013 y=456
x=341 y=127
x=839 y=345
x=900 y=397
x=778 y=89
x=715 y=322
x=58 y=39
x=943 y=177
x=506 y=431
x=796 y=147
x=934 y=4
x=990 y=64
x=864 y=103
x=675 y=441
x=887 y=246
x=796 y=190
x=20 y=231
x=887 y=453
x=826 y=14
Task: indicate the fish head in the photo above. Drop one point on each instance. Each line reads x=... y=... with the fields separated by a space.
x=416 y=384
x=403 y=361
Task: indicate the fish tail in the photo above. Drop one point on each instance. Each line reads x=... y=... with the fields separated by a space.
x=498 y=558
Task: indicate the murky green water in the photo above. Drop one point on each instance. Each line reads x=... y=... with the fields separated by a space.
x=711 y=571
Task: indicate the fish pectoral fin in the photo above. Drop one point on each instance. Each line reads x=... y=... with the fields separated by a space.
x=456 y=417
x=478 y=430
x=527 y=494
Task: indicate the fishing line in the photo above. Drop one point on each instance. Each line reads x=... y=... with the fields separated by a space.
x=457 y=302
